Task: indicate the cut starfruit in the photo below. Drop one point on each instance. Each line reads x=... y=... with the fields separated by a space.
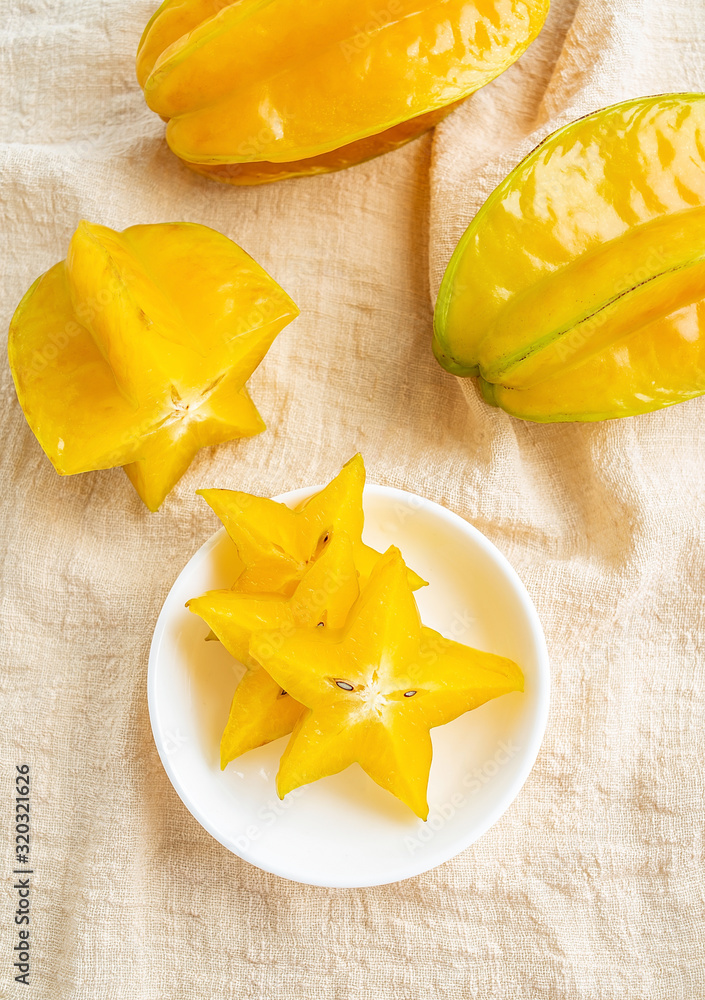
x=261 y=710
x=135 y=350
x=285 y=88
x=374 y=688
x=276 y=545
x=577 y=292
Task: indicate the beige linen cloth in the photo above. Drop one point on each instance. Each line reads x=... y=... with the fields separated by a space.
x=591 y=886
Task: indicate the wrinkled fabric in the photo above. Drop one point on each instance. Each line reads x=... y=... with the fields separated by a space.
x=591 y=885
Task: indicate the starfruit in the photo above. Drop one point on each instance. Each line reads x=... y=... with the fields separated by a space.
x=276 y=545
x=256 y=90
x=261 y=711
x=577 y=292
x=337 y=159
x=375 y=687
x=135 y=350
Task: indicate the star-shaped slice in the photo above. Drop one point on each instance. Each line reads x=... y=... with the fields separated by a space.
x=261 y=710
x=375 y=688
x=276 y=545
x=228 y=412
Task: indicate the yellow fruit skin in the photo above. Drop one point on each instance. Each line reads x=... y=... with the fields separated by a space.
x=658 y=365
x=374 y=688
x=577 y=291
x=135 y=351
x=345 y=71
x=338 y=159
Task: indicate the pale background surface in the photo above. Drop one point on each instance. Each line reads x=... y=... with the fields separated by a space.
x=591 y=886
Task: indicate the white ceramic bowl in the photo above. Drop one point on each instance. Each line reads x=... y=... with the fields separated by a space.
x=346 y=831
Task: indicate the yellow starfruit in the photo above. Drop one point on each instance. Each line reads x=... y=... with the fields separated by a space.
x=262 y=172
x=276 y=545
x=375 y=687
x=577 y=291
x=261 y=710
x=284 y=88
x=135 y=350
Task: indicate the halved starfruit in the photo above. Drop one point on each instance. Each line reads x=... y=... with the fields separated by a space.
x=578 y=291
x=375 y=687
x=256 y=90
x=261 y=711
x=135 y=350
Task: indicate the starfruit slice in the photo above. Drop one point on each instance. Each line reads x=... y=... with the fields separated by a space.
x=280 y=82
x=276 y=545
x=577 y=292
x=375 y=688
x=261 y=711
x=135 y=350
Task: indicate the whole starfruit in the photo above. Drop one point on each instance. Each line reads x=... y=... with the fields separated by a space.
x=257 y=90
x=578 y=290
x=135 y=350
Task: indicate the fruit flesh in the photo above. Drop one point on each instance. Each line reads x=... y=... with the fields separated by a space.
x=276 y=545
x=374 y=688
x=136 y=349
x=261 y=711
x=594 y=241
x=228 y=412
x=268 y=80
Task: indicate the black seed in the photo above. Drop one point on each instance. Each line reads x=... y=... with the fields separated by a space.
x=321 y=625
x=345 y=685
x=409 y=694
x=282 y=693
